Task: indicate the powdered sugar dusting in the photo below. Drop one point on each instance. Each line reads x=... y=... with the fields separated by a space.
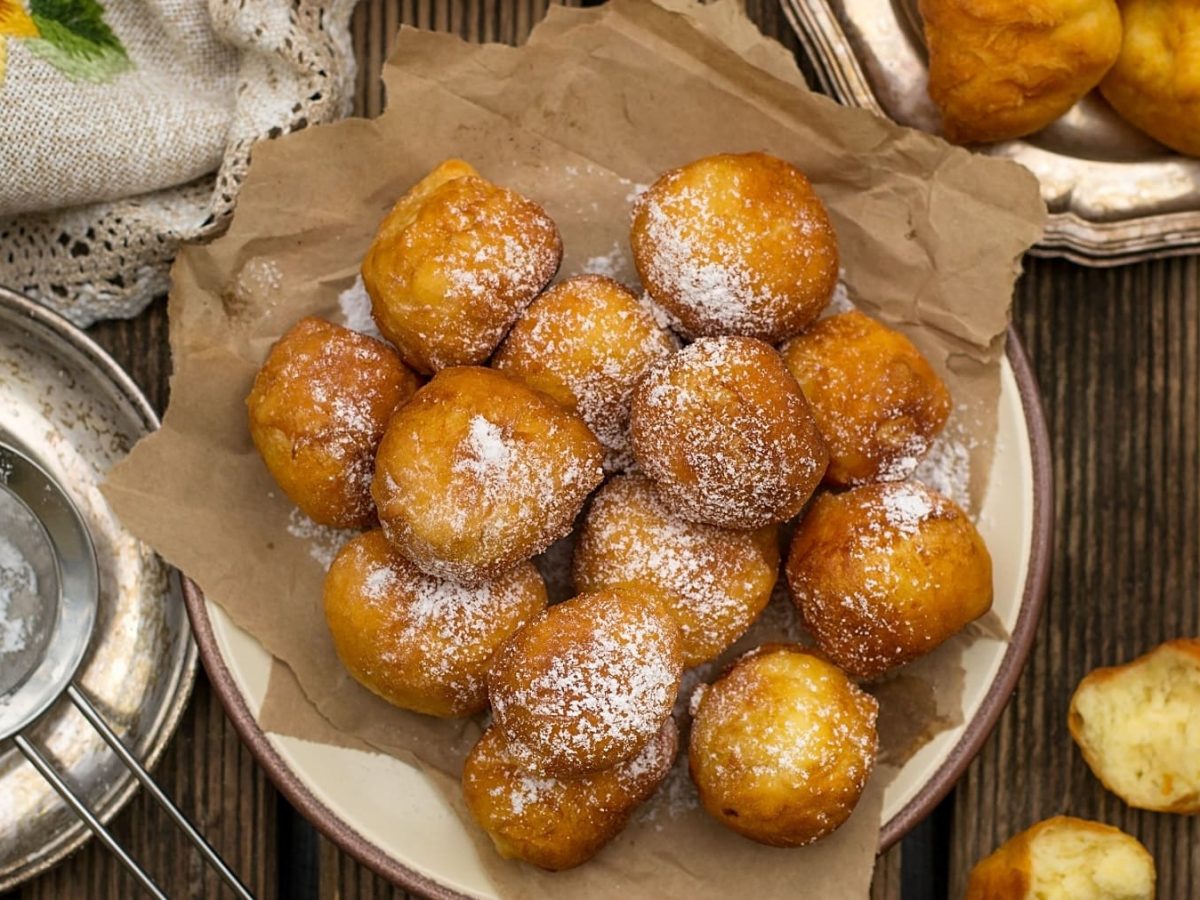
x=488 y=454
x=355 y=304
x=611 y=264
x=323 y=542
x=591 y=339
x=749 y=462
x=717 y=580
x=906 y=507
x=594 y=696
x=947 y=466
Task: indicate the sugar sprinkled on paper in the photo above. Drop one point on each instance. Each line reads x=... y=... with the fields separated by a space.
x=323 y=542
x=355 y=304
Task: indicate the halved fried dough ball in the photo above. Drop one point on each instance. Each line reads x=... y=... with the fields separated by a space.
x=479 y=472
x=558 y=823
x=1001 y=69
x=782 y=745
x=883 y=573
x=1071 y=859
x=737 y=243
x=878 y=402
x=586 y=342
x=725 y=434
x=715 y=581
x=419 y=642
x=583 y=686
x=317 y=413
x=454 y=263
x=1155 y=84
x=1138 y=726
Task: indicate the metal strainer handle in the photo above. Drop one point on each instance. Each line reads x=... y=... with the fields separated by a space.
x=39 y=762
x=75 y=559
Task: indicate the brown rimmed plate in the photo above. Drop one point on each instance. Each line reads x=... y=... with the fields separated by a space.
x=409 y=835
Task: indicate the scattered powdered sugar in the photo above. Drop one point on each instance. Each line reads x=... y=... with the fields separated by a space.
x=529 y=790
x=18 y=582
x=489 y=455
x=840 y=302
x=906 y=506
x=355 y=304
x=947 y=466
x=636 y=190
x=749 y=461
x=611 y=264
x=717 y=580
x=323 y=542
x=609 y=691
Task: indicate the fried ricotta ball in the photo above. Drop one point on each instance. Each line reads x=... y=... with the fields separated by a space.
x=317 y=412
x=1155 y=84
x=479 y=472
x=715 y=581
x=584 y=685
x=1071 y=859
x=454 y=264
x=883 y=573
x=1138 y=726
x=1001 y=69
x=725 y=434
x=558 y=823
x=586 y=342
x=782 y=745
x=419 y=642
x=877 y=401
x=737 y=243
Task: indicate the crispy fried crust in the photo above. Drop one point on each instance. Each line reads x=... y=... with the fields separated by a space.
x=715 y=581
x=1155 y=84
x=585 y=684
x=737 y=243
x=454 y=263
x=1066 y=858
x=478 y=472
x=883 y=573
x=878 y=402
x=1001 y=69
x=782 y=745
x=724 y=432
x=419 y=642
x=586 y=342
x=317 y=413
x=558 y=823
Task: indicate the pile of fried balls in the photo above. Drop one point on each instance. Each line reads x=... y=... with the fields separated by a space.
x=699 y=420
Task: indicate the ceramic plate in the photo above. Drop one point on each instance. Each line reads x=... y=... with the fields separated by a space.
x=384 y=812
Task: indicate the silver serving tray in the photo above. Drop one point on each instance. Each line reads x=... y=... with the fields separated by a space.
x=1114 y=195
x=66 y=404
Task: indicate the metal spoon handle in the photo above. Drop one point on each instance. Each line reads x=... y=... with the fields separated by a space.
x=64 y=790
x=151 y=786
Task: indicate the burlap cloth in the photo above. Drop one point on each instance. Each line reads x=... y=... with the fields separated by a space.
x=126 y=128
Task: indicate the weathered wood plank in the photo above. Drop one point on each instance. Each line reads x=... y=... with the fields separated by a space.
x=1117 y=354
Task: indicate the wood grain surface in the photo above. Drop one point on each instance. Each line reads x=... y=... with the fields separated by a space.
x=1117 y=353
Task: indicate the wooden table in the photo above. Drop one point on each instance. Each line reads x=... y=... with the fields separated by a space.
x=1117 y=353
